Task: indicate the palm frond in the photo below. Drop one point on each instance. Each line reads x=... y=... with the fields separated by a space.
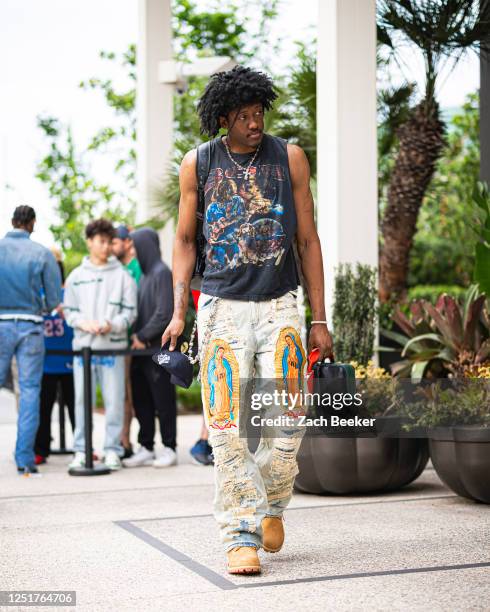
x=441 y=29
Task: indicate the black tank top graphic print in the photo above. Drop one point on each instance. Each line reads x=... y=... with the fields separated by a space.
x=249 y=224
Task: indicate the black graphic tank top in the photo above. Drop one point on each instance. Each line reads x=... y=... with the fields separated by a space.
x=249 y=224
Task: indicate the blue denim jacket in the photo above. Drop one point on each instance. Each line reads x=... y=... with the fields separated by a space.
x=27 y=268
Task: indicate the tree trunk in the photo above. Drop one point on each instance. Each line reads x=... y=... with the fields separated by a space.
x=421 y=139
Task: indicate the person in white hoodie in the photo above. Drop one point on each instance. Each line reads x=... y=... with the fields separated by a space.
x=100 y=304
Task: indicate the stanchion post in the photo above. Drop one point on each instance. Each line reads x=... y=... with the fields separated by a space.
x=61 y=405
x=89 y=469
x=87 y=405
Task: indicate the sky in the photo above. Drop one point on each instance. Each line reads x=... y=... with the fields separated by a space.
x=48 y=46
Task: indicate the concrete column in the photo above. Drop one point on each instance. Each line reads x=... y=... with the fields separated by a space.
x=485 y=118
x=347 y=207
x=154 y=106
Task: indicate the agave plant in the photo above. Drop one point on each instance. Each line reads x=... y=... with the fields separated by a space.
x=446 y=339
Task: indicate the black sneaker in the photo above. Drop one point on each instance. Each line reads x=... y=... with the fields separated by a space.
x=29 y=469
x=201 y=452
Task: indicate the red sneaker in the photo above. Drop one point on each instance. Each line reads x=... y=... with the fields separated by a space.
x=39 y=460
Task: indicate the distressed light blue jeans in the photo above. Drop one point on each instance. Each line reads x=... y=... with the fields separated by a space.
x=25 y=340
x=246 y=340
x=108 y=371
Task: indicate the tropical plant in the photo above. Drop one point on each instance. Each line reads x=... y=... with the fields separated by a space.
x=443 y=250
x=393 y=111
x=441 y=30
x=354 y=312
x=481 y=198
x=294 y=115
x=449 y=338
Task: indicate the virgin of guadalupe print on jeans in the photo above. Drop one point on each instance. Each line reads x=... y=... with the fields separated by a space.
x=289 y=360
x=221 y=386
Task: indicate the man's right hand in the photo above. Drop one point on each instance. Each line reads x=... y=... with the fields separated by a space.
x=172 y=332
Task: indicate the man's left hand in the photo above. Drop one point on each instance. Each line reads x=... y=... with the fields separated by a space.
x=136 y=344
x=321 y=339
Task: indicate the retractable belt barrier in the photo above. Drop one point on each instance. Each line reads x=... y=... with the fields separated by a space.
x=86 y=354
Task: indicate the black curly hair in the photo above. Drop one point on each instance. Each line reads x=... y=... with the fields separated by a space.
x=230 y=90
x=100 y=226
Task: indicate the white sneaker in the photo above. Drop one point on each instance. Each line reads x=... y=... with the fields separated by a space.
x=142 y=457
x=166 y=459
x=78 y=460
x=112 y=460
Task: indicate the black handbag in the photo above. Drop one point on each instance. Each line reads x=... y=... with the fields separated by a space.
x=203 y=165
x=336 y=377
x=332 y=378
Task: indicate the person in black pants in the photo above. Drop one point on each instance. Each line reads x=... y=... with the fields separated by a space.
x=153 y=393
x=54 y=387
x=57 y=381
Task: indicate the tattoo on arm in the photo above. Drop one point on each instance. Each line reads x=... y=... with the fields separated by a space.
x=179 y=295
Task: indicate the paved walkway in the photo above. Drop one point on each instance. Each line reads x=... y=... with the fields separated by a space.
x=144 y=539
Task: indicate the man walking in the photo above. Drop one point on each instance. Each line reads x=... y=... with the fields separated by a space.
x=30 y=284
x=123 y=249
x=257 y=200
x=153 y=393
x=100 y=304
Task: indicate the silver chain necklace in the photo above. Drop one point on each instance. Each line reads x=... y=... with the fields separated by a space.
x=207 y=334
x=249 y=165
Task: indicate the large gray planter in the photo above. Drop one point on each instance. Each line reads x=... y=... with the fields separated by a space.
x=341 y=465
x=461 y=458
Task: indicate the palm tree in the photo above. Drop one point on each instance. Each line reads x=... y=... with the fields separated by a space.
x=294 y=113
x=442 y=30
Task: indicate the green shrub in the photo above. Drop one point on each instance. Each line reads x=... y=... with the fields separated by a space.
x=431 y=293
x=436 y=260
x=190 y=399
x=354 y=313
x=465 y=403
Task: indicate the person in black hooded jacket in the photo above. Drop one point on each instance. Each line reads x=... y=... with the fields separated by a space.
x=153 y=393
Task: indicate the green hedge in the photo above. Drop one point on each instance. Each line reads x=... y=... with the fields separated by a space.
x=190 y=399
x=432 y=292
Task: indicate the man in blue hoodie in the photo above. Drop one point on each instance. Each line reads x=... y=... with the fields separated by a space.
x=30 y=284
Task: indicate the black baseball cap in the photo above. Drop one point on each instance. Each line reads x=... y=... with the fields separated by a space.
x=176 y=363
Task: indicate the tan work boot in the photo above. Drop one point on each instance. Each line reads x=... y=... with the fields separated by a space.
x=272 y=533
x=243 y=560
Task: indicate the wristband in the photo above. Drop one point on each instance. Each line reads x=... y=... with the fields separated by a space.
x=320 y=322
